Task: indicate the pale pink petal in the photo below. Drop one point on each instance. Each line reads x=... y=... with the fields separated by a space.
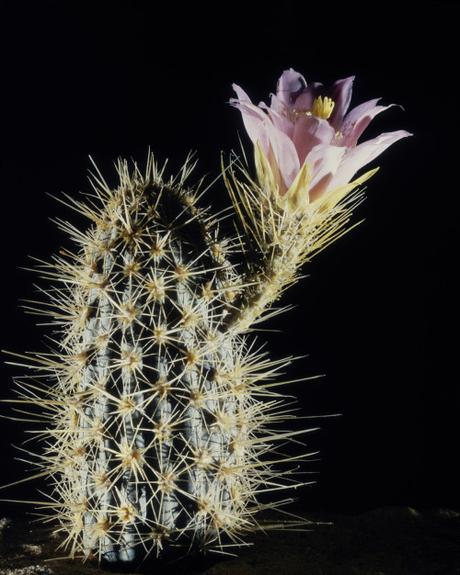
x=341 y=94
x=324 y=161
x=304 y=100
x=254 y=118
x=310 y=131
x=354 y=127
x=280 y=121
x=277 y=105
x=285 y=154
x=358 y=111
x=357 y=157
x=289 y=85
x=320 y=188
x=261 y=129
x=241 y=94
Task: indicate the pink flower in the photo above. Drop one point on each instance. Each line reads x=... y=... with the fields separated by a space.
x=306 y=142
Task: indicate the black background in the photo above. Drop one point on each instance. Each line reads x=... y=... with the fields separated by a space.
x=377 y=312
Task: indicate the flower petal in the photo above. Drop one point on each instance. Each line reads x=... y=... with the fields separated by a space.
x=357 y=121
x=297 y=195
x=277 y=105
x=276 y=145
x=341 y=94
x=264 y=169
x=280 y=121
x=358 y=111
x=310 y=131
x=304 y=100
x=284 y=152
x=336 y=195
x=289 y=85
x=324 y=161
x=254 y=118
x=357 y=157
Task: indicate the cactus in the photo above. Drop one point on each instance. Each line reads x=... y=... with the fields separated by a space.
x=160 y=411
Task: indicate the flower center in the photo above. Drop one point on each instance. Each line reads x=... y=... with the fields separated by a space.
x=322 y=107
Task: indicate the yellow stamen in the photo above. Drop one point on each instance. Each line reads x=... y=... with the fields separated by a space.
x=322 y=107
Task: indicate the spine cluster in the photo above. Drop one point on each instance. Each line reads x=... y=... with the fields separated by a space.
x=156 y=415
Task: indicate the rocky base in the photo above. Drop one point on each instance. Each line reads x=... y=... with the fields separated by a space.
x=387 y=541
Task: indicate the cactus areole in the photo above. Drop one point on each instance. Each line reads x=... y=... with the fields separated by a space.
x=159 y=419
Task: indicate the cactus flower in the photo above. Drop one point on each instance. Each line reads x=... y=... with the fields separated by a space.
x=306 y=141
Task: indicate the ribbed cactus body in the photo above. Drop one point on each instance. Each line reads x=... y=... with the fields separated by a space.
x=153 y=421
x=159 y=432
